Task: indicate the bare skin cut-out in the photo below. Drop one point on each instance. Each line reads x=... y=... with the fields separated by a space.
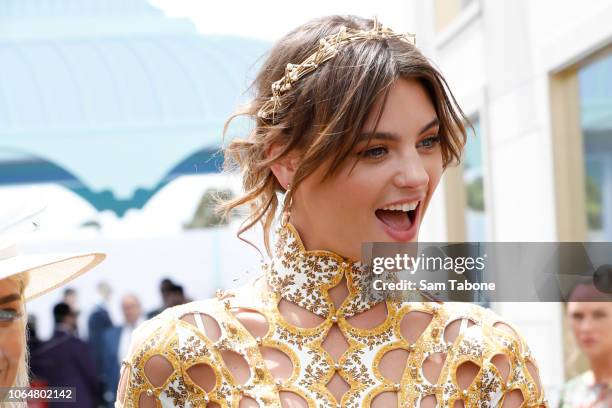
x=290 y=399
x=393 y=363
x=414 y=324
x=371 y=318
x=211 y=327
x=123 y=381
x=203 y=376
x=432 y=366
x=278 y=363
x=533 y=371
x=385 y=399
x=502 y=363
x=428 y=401
x=146 y=401
x=507 y=329
x=452 y=330
x=338 y=293
x=158 y=369
x=513 y=399
x=248 y=402
x=237 y=366
x=335 y=343
x=298 y=316
x=254 y=322
x=459 y=404
x=466 y=372
x=338 y=387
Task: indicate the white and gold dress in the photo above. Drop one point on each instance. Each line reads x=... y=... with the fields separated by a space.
x=305 y=278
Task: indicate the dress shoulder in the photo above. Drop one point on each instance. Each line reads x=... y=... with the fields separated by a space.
x=165 y=348
x=482 y=337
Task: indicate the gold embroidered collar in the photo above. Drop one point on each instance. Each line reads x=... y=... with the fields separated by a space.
x=305 y=277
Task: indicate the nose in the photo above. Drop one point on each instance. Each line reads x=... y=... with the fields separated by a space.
x=410 y=172
x=586 y=326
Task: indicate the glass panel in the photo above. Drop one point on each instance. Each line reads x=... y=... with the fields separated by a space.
x=446 y=11
x=473 y=169
x=466 y=3
x=595 y=82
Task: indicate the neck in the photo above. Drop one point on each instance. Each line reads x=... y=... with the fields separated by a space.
x=601 y=366
x=64 y=327
x=133 y=323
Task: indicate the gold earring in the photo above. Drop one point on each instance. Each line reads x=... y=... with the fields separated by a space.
x=287 y=202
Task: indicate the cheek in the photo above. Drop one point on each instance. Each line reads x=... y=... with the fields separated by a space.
x=346 y=195
x=434 y=166
x=12 y=348
x=575 y=326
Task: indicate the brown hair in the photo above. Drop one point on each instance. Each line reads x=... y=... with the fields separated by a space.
x=323 y=113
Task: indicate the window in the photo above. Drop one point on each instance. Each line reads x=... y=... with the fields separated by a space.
x=465 y=191
x=595 y=96
x=473 y=179
x=446 y=11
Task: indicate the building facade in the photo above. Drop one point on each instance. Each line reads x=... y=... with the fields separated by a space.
x=535 y=79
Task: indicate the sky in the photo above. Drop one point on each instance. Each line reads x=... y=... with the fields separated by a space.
x=271 y=19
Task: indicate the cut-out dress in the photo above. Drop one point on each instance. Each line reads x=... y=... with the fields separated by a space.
x=305 y=278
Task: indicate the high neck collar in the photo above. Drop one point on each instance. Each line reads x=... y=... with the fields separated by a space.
x=305 y=277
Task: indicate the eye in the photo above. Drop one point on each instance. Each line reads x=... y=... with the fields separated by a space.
x=429 y=142
x=599 y=314
x=9 y=315
x=577 y=316
x=374 y=153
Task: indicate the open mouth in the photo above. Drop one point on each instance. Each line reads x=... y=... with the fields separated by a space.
x=399 y=217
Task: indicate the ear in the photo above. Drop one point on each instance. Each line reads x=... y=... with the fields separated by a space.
x=283 y=169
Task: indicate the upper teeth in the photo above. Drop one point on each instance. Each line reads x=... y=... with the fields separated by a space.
x=402 y=207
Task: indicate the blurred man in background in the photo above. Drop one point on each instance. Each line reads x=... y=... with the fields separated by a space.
x=176 y=296
x=99 y=321
x=165 y=289
x=66 y=361
x=70 y=298
x=116 y=342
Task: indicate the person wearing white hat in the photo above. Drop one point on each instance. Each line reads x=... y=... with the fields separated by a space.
x=23 y=278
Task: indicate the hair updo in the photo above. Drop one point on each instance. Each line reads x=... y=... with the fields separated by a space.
x=322 y=115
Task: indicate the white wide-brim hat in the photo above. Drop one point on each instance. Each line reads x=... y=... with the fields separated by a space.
x=44 y=272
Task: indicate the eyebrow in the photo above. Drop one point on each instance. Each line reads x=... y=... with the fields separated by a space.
x=10 y=298
x=392 y=135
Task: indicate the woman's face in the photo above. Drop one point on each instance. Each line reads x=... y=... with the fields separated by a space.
x=383 y=198
x=591 y=323
x=12 y=334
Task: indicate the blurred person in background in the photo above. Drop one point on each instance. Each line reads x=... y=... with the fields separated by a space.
x=71 y=298
x=590 y=317
x=176 y=296
x=98 y=322
x=116 y=342
x=23 y=278
x=355 y=127
x=165 y=289
x=66 y=361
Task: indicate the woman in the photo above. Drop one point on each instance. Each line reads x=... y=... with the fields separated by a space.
x=23 y=278
x=590 y=317
x=356 y=127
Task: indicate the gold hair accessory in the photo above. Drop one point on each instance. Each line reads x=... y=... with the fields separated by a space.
x=328 y=48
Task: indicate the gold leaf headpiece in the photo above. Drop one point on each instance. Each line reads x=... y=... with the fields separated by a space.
x=328 y=49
